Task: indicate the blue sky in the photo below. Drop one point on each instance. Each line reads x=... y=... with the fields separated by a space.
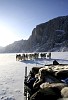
x=19 y=17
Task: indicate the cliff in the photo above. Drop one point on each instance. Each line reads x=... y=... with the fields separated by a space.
x=49 y=36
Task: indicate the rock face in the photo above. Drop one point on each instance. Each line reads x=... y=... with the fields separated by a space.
x=49 y=36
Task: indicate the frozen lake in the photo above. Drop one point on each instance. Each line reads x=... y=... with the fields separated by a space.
x=11 y=78
x=12 y=73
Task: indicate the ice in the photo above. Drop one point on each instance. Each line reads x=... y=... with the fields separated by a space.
x=12 y=73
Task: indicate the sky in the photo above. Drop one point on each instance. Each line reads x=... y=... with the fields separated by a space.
x=19 y=17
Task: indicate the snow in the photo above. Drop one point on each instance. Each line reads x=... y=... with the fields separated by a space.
x=60 y=30
x=12 y=73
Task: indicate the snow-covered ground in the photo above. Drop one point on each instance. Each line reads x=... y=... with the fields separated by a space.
x=12 y=73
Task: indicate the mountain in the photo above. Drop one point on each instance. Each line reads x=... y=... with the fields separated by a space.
x=1 y=49
x=48 y=36
x=14 y=47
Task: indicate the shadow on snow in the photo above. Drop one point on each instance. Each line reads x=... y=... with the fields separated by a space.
x=43 y=60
